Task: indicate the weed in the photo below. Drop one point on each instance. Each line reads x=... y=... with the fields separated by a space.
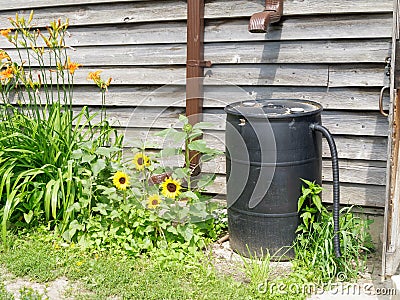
x=314 y=244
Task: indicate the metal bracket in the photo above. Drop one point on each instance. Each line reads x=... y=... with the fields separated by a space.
x=388 y=61
x=198 y=63
x=381 y=101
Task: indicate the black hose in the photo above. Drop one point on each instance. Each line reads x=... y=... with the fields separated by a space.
x=336 y=193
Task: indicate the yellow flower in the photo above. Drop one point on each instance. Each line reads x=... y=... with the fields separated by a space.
x=141 y=161
x=153 y=201
x=7 y=73
x=95 y=76
x=79 y=263
x=72 y=66
x=5 y=32
x=170 y=188
x=121 y=180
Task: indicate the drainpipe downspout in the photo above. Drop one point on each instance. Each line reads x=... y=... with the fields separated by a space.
x=195 y=69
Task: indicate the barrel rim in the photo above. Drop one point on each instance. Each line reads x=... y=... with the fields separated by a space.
x=230 y=109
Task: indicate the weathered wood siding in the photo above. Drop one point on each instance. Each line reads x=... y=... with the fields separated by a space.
x=331 y=51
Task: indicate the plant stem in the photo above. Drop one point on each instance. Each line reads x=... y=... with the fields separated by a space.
x=187 y=162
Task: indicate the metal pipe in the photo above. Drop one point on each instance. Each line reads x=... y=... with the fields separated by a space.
x=271 y=14
x=336 y=192
x=195 y=69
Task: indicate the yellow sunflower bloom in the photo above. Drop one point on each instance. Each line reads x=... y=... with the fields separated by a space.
x=141 y=161
x=153 y=201
x=170 y=188
x=121 y=180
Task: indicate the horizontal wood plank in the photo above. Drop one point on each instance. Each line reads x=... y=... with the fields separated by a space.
x=25 y=4
x=170 y=95
x=362 y=99
x=355 y=75
x=348 y=147
x=350 y=194
x=350 y=171
x=303 y=28
x=232 y=30
x=138 y=11
x=364 y=172
x=263 y=75
x=370 y=51
x=339 y=123
x=237 y=8
x=300 y=75
x=152 y=11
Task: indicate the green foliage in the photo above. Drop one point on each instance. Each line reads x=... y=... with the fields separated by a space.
x=314 y=244
x=61 y=167
x=39 y=135
x=109 y=216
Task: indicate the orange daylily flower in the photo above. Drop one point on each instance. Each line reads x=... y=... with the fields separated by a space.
x=5 y=32
x=3 y=55
x=7 y=73
x=72 y=66
x=95 y=76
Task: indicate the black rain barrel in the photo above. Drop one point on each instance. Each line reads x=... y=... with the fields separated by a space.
x=269 y=148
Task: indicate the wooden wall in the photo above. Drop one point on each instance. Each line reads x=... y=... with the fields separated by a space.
x=331 y=51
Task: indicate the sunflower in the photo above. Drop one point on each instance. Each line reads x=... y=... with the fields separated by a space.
x=121 y=180
x=141 y=161
x=170 y=188
x=153 y=201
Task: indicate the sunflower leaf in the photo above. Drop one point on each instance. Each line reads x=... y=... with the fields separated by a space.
x=165 y=132
x=189 y=194
x=98 y=166
x=106 y=151
x=170 y=152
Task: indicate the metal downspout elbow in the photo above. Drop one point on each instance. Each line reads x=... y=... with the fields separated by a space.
x=272 y=13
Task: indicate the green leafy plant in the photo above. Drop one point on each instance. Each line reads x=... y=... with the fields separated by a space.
x=142 y=205
x=314 y=244
x=39 y=129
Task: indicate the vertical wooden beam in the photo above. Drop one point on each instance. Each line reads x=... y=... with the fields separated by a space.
x=391 y=242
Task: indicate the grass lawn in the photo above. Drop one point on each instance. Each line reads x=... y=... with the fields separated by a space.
x=116 y=276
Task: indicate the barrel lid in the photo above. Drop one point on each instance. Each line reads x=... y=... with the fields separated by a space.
x=274 y=108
